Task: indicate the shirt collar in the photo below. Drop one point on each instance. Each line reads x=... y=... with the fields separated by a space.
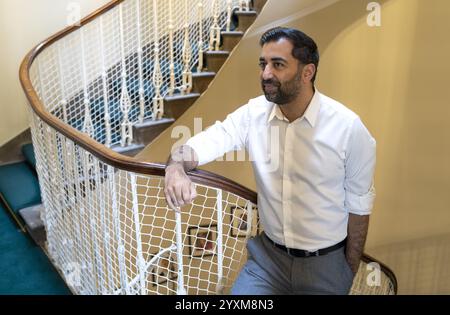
x=311 y=113
x=276 y=112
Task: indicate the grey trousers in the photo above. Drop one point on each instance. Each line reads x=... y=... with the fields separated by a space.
x=269 y=270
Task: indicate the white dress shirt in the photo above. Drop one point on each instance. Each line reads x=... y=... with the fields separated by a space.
x=310 y=173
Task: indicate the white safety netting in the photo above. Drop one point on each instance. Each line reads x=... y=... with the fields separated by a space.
x=110 y=231
x=114 y=71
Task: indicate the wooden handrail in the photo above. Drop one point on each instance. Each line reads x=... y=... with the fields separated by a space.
x=100 y=151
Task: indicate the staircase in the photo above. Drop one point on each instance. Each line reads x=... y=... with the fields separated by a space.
x=141 y=86
x=176 y=105
x=26 y=212
x=25 y=267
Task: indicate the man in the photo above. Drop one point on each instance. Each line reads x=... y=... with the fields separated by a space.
x=315 y=204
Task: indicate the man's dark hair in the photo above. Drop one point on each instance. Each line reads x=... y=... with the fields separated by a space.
x=305 y=49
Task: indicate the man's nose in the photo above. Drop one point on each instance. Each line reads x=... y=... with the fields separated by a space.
x=267 y=73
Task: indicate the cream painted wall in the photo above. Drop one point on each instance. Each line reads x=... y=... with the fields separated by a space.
x=394 y=76
x=23 y=24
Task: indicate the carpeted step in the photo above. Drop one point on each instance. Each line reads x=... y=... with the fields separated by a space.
x=24 y=267
x=19 y=186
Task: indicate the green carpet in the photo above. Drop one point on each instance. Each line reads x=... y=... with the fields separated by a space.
x=24 y=268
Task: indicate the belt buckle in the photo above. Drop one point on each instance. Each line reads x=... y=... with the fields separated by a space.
x=309 y=254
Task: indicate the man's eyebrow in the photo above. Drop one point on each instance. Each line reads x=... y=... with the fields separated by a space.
x=278 y=59
x=274 y=59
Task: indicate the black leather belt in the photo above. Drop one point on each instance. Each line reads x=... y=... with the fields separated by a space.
x=304 y=253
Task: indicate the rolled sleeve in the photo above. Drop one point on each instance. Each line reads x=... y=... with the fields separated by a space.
x=359 y=170
x=222 y=137
x=360 y=204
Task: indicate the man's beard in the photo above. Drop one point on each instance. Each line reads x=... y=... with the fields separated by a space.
x=281 y=93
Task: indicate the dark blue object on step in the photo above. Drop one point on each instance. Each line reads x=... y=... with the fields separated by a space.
x=19 y=186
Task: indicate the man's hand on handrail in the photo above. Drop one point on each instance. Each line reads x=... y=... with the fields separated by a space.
x=178 y=188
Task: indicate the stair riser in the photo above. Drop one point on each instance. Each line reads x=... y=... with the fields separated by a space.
x=245 y=21
x=215 y=62
x=200 y=84
x=176 y=108
x=145 y=135
x=229 y=42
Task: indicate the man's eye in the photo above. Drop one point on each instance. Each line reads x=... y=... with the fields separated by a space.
x=278 y=65
x=262 y=65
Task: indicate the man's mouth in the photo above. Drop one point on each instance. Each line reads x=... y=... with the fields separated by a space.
x=270 y=88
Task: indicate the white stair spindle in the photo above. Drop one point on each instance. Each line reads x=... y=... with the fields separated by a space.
x=140 y=69
x=249 y=219
x=158 y=101
x=106 y=116
x=171 y=49
x=244 y=5
x=219 y=245
x=137 y=229
x=68 y=152
x=214 y=37
x=88 y=126
x=76 y=177
x=94 y=263
x=101 y=193
x=200 y=41
x=187 y=54
x=229 y=12
x=111 y=176
x=181 y=290
x=125 y=100
x=61 y=83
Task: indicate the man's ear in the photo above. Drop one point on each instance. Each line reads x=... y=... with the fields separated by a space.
x=308 y=73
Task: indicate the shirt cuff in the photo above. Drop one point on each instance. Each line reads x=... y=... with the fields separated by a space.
x=360 y=204
x=196 y=146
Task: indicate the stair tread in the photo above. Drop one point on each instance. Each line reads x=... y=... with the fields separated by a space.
x=148 y=123
x=177 y=97
x=218 y=52
x=203 y=74
x=246 y=12
x=32 y=216
x=131 y=147
x=233 y=33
